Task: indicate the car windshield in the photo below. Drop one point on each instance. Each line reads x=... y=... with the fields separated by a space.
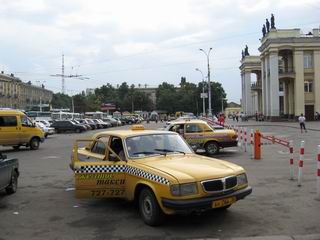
x=156 y=144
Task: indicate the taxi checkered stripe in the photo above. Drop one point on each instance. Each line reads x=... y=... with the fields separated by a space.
x=123 y=169
x=99 y=169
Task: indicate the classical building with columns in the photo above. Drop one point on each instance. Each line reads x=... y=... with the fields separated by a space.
x=289 y=75
x=251 y=88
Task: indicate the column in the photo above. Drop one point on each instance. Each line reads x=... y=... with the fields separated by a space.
x=263 y=87
x=247 y=80
x=285 y=97
x=316 y=64
x=298 y=83
x=291 y=97
x=267 y=83
x=242 y=93
x=274 y=84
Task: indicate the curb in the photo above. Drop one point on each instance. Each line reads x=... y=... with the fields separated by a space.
x=275 y=237
x=273 y=125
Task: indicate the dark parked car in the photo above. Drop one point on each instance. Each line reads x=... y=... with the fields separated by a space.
x=103 y=123
x=9 y=173
x=67 y=125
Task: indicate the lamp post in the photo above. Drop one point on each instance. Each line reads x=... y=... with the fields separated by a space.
x=209 y=85
x=203 y=97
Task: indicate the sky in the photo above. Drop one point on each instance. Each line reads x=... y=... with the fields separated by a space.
x=139 y=42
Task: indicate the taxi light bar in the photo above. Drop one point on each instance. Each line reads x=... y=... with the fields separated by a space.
x=137 y=127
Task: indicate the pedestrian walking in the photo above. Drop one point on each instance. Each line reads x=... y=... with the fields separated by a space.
x=237 y=117
x=302 y=121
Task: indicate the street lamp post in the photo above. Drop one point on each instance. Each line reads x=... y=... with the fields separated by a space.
x=203 y=98
x=209 y=85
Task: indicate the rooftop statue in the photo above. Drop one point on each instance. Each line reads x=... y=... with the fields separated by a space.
x=267 y=25
x=272 y=22
x=264 y=31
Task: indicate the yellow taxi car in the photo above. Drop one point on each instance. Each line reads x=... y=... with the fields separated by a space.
x=156 y=169
x=200 y=135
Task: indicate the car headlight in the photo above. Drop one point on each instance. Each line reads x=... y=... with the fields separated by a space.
x=242 y=179
x=184 y=189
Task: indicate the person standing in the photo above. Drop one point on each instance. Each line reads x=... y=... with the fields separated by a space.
x=302 y=121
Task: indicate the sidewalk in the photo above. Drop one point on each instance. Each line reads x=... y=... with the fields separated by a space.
x=312 y=126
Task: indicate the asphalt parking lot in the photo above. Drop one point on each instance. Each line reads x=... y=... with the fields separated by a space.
x=45 y=207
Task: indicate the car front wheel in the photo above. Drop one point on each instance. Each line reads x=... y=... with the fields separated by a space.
x=12 y=188
x=34 y=143
x=212 y=148
x=149 y=208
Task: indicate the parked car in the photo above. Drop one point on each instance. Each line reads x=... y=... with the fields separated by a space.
x=156 y=169
x=113 y=121
x=67 y=125
x=17 y=129
x=99 y=124
x=47 y=130
x=93 y=125
x=103 y=123
x=9 y=173
x=85 y=123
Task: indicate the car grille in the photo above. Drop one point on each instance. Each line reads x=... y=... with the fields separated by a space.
x=220 y=185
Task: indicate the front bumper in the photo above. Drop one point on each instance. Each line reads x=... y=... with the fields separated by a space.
x=228 y=144
x=203 y=203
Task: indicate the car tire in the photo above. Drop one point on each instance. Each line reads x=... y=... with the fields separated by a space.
x=212 y=148
x=34 y=143
x=149 y=208
x=16 y=147
x=78 y=130
x=13 y=186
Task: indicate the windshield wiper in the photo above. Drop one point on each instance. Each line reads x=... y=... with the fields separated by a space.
x=169 y=150
x=148 y=152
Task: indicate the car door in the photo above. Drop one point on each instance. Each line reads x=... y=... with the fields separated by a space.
x=99 y=173
x=4 y=173
x=9 y=130
x=26 y=129
x=194 y=134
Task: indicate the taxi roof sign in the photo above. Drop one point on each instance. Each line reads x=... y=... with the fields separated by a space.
x=137 y=127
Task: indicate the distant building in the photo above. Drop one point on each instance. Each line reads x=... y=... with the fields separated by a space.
x=89 y=91
x=288 y=75
x=151 y=92
x=20 y=95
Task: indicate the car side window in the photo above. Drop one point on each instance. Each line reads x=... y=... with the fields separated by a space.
x=25 y=121
x=193 y=128
x=116 y=146
x=179 y=128
x=99 y=146
x=8 y=121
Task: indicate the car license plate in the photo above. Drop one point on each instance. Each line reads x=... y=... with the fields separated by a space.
x=223 y=202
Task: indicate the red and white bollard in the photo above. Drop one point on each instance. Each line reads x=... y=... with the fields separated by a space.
x=301 y=159
x=241 y=136
x=318 y=174
x=291 y=160
x=245 y=139
x=251 y=142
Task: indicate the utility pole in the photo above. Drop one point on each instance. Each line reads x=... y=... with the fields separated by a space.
x=209 y=84
x=63 y=76
x=203 y=95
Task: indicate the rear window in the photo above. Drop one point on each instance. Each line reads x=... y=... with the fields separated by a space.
x=8 y=121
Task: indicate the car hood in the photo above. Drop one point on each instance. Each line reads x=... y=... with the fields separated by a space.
x=192 y=167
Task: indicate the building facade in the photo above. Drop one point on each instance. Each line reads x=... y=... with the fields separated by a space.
x=289 y=76
x=20 y=95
